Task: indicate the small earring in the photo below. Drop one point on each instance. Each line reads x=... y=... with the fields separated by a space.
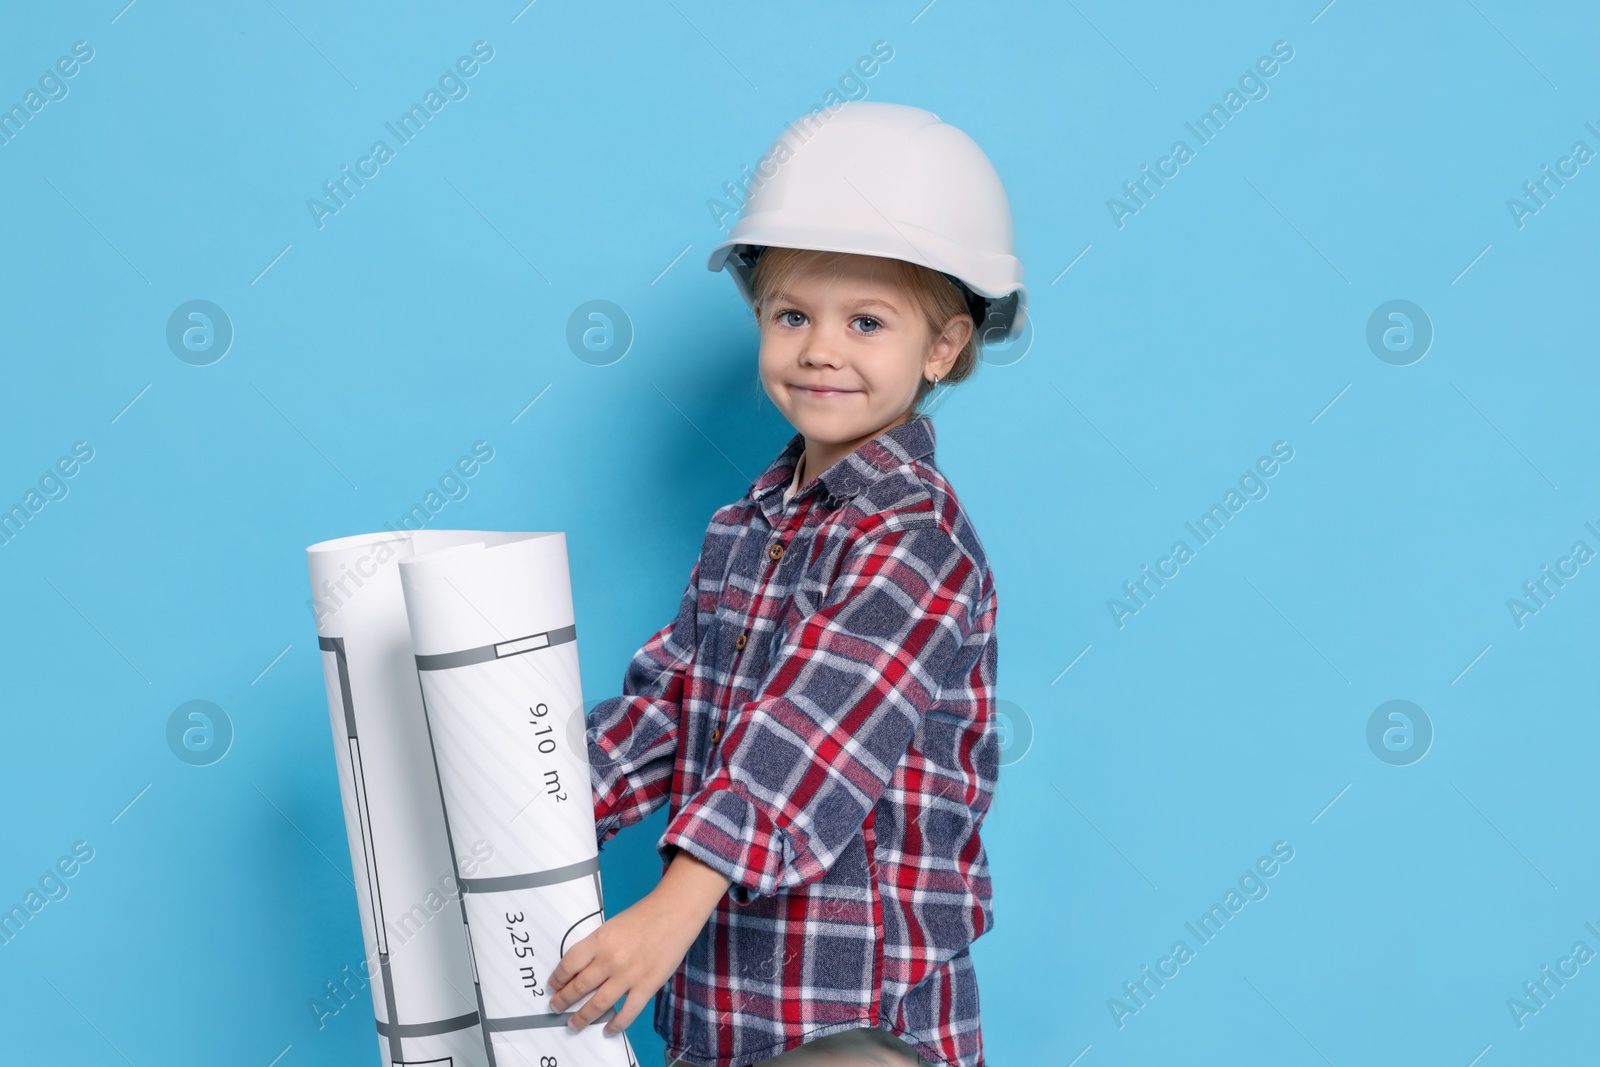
x=935 y=380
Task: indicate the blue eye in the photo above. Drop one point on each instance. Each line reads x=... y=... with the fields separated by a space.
x=869 y=318
x=783 y=317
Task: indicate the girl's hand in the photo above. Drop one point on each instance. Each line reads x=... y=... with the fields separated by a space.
x=631 y=956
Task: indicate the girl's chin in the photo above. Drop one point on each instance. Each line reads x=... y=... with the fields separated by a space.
x=833 y=428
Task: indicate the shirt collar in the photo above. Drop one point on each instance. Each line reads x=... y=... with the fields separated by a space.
x=911 y=440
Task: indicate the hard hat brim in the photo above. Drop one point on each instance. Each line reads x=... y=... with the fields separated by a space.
x=1000 y=284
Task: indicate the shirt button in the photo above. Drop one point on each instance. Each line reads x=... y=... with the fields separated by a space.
x=739 y=642
x=775 y=552
x=716 y=734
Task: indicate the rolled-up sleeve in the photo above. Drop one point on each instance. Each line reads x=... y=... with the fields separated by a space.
x=633 y=738
x=803 y=764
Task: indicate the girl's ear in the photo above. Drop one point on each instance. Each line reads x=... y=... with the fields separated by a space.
x=948 y=345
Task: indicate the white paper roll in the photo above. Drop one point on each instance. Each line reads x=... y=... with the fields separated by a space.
x=492 y=629
x=418 y=958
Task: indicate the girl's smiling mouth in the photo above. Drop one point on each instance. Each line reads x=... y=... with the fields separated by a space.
x=822 y=392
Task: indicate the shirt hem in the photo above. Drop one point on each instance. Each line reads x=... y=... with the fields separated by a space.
x=926 y=1052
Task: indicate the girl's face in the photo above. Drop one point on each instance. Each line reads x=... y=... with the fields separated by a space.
x=841 y=355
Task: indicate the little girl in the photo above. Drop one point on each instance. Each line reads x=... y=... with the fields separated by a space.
x=819 y=716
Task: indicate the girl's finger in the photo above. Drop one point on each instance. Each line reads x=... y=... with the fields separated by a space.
x=628 y=1011
x=577 y=958
x=581 y=983
x=598 y=1004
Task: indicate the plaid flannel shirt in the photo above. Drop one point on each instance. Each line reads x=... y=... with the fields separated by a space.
x=820 y=717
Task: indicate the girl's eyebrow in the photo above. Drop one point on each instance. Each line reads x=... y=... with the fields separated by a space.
x=868 y=302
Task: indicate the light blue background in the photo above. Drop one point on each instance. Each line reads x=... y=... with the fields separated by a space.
x=1228 y=314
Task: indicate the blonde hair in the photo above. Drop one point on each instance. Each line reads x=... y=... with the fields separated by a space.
x=934 y=294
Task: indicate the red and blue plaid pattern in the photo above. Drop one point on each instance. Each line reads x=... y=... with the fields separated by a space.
x=820 y=718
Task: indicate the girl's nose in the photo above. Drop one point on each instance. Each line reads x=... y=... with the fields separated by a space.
x=819 y=350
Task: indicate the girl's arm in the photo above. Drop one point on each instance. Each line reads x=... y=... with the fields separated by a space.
x=903 y=626
x=634 y=952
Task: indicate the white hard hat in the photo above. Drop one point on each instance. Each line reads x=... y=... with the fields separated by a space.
x=889 y=180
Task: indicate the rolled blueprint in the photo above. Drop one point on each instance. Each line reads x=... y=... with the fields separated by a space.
x=418 y=958
x=492 y=629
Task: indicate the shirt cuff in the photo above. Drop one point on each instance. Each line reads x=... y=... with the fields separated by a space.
x=606 y=819
x=733 y=834
x=605 y=828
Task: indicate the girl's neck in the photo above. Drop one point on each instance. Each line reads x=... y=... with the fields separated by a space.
x=833 y=453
